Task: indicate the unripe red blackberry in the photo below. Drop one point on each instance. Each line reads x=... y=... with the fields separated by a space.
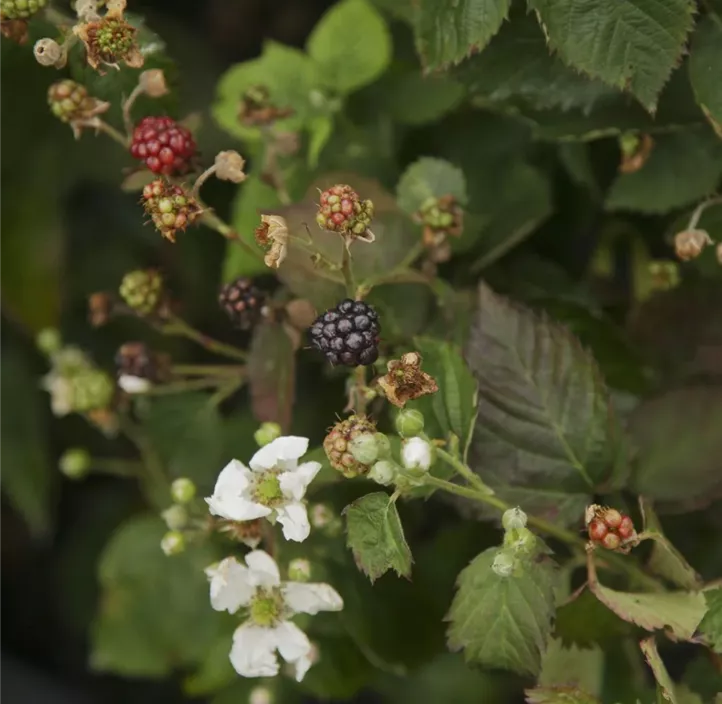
x=612 y=518
x=142 y=290
x=171 y=207
x=597 y=530
x=242 y=302
x=138 y=360
x=337 y=445
x=70 y=101
x=20 y=9
x=165 y=146
x=626 y=528
x=348 y=334
x=341 y=210
x=611 y=541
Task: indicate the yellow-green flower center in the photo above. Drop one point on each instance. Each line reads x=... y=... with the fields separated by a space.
x=266 y=607
x=268 y=490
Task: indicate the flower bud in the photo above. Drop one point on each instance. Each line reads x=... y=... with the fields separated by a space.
x=229 y=166
x=363 y=448
x=267 y=433
x=383 y=472
x=75 y=463
x=49 y=53
x=182 y=490
x=134 y=384
x=503 y=565
x=513 y=519
x=173 y=543
x=384 y=446
x=260 y=695
x=48 y=341
x=522 y=541
x=409 y=423
x=689 y=244
x=152 y=83
x=417 y=453
x=299 y=570
x=175 y=517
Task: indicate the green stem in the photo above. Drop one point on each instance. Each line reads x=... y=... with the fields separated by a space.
x=225 y=391
x=179 y=327
x=179 y=387
x=110 y=131
x=207 y=369
x=347 y=271
x=472 y=477
x=211 y=220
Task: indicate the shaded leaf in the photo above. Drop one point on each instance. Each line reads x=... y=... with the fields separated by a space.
x=572 y=667
x=559 y=695
x=705 y=63
x=376 y=536
x=272 y=374
x=350 y=45
x=683 y=167
x=711 y=626
x=630 y=44
x=585 y=621
x=503 y=622
x=429 y=178
x=664 y=681
x=215 y=670
x=447 y=31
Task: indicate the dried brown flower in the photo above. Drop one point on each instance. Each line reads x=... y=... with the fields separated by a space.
x=272 y=235
x=406 y=381
x=689 y=244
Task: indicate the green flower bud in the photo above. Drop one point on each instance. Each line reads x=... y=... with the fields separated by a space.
x=384 y=446
x=261 y=695
x=75 y=463
x=299 y=570
x=267 y=433
x=175 y=517
x=513 y=519
x=182 y=490
x=383 y=472
x=363 y=448
x=48 y=341
x=522 y=541
x=504 y=564
x=173 y=543
x=409 y=423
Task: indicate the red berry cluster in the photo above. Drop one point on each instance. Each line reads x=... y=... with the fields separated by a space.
x=165 y=146
x=610 y=528
x=170 y=207
x=341 y=210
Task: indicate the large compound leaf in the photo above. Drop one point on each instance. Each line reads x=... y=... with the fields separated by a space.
x=705 y=66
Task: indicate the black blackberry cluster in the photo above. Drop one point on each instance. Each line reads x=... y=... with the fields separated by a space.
x=348 y=334
x=242 y=302
x=136 y=359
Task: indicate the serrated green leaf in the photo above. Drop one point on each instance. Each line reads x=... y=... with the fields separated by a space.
x=544 y=415
x=27 y=476
x=705 y=64
x=154 y=614
x=559 y=695
x=679 y=613
x=447 y=31
x=572 y=667
x=517 y=69
x=711 y=626
x=684 y=167
x=630 y=44
x=351 y=45
x=679 y=444
x=503 y=622
x=455 y=402
x=664 y=681
x=429 y=178
x=288 y=74
x=376 y=536
x=187 y=432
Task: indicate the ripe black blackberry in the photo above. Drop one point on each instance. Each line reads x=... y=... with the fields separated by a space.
x=348 y=334
x=242 y=301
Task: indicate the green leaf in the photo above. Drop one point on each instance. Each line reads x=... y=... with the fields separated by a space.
x=340 y=673
x=272 y=374
x=585 y=621
x=679 y=613
x=215 y=670
x=711 y=626
x=517 y=69
x=187 y=432
x=664 y=681
x=705 y=64
x=429 y=178
x=351 y=45
x=376 y=536
x=678 y=444
x=503 y=622
x=559 y=695
x=631 y=44
x=447 y=31
x=321 y=129
x=683 y=167
x=544 y=415
x=572 y=667
x=288 y=74
x=27 y=476
x=454 y=403
x=154 y=614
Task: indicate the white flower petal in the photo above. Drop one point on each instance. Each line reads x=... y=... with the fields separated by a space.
x=234 y=477
x=263 y=569
x=294 y=647
x=294 y=482
x=236 y=508
x=416 y=454
x=231 y=587
x=311 y=598
x=294 y=519
x=283 y=451
x=134 y=384
x=254 y=651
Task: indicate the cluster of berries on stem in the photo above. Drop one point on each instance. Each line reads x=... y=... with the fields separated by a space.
x=610 y=528
x=163 y=145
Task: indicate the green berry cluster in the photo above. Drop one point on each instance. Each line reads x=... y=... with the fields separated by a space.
x=170 y=207
x=142 y=290
x=69 y=100
x=112 y=39
x=20 y=9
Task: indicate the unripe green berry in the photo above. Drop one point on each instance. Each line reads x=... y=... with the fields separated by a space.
x=267 y=433
x=175 y=517
x=182 y=490
x=409 y=423
x=363 y=448
x=299 y=570
x=75 y=463
x=48 y=341
x=173 y=543
x=504 y=564
x=513 y=519
x=383 y=472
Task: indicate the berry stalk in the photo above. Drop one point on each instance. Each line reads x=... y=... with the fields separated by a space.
x=179 y=327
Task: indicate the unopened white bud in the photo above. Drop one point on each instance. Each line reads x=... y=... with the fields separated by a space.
x=513 y=519
x=175 y=517
x=383 y=472
x=417 y=453
x=173 y=543
x=49 y=53
x=299 y=570
x=503 y=565
x=182 y=490
x=134 y=384
x=260 y=695
x=152 y=83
